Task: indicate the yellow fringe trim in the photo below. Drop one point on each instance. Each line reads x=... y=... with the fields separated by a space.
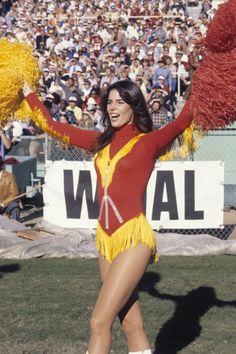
x=17 y=63
x=102 y=159
x=37 y=116
x=41 y=122
x=187 y=145
x=24 y=111
x=130 y=234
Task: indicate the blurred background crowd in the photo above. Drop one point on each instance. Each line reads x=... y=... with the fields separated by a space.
x=84 y=46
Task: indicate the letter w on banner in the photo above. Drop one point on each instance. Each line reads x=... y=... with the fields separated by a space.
x=186 y=195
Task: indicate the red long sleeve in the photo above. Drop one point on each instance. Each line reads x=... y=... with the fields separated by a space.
x=158 y=140
x=84 y=139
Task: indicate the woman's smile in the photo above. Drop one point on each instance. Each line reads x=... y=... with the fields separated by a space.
x=120 y=113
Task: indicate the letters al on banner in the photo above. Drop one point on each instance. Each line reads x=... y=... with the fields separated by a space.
x=179 y=195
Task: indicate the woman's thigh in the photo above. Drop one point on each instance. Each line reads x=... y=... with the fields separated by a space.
x=120 y=281
x=104 y=266
x=131 y=312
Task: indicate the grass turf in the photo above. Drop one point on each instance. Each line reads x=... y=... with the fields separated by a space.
x=189 y=305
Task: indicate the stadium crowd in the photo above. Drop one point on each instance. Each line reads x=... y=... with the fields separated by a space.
x=83 y=46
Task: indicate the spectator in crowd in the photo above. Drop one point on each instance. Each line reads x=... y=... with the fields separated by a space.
x=74 y=112
x=15 y=129
x=136 y=69
x=77 y=54
x=160 y=33
x=95 y=94
x=47 y=79
x=8 y=192
x=163 y=71
x=86 y=87
x=87 y=121
x=54 y=108
x=206 y=7
x=37 y=145
x=160 y=83
x=110 y=76
x=182 y=74
x=142 y=84
x=124 y=56
x=159 y=114
x=5 y=142
x=173 y=70
x=147 y=71
x=69 y=88
x=5 y=6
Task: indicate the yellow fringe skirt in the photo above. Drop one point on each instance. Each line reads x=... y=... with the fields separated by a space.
x=130 y=234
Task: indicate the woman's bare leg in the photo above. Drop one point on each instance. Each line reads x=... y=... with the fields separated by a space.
x=119 y=283
x=130 y=315
x=104 y=267
x=132 y=324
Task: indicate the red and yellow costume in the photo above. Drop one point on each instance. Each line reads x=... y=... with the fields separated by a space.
x=124 y=166
x=123 y=169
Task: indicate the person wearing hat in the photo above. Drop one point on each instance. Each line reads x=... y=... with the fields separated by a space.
x=147 y=71
x=182 y=73
x=73 y=108
x=8 y=191
x=160 y=83
x=172 y=67
x=159 y=114
x=162 y=71
x=47 y=79
x=87 y=121
x=160 y=95
x=136 y=69
x=124 y=57
x=50 y=103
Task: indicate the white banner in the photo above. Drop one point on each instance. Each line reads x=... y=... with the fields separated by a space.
x=180 y=195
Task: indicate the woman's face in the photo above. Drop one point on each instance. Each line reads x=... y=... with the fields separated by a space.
x=120 y=113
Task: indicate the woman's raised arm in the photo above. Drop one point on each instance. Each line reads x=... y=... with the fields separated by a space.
x=158 y=140
x=84 y=139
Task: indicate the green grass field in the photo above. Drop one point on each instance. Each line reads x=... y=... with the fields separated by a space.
x=189 y=305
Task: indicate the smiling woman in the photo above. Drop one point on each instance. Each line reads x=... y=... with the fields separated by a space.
x=126 y=93
x=120 y=113
x=125 y=157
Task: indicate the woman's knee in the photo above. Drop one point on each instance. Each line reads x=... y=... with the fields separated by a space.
x=99 y=325
x=132 y=328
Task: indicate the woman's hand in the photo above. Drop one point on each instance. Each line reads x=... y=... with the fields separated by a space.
x=26 y=89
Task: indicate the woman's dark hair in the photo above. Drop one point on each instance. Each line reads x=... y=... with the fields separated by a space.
x=132 y=95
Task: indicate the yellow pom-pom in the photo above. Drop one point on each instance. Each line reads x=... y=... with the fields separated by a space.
x=17 y=64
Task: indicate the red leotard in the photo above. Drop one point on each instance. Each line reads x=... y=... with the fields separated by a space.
x=132 y=170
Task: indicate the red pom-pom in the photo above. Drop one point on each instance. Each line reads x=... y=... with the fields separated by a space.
x=221 y=33
x=214 y=82
x=214 y=91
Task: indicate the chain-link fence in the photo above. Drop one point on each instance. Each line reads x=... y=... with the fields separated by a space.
x=32 y=146
x=216 y=146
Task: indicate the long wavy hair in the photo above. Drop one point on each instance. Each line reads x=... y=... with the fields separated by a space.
x=132 y=95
